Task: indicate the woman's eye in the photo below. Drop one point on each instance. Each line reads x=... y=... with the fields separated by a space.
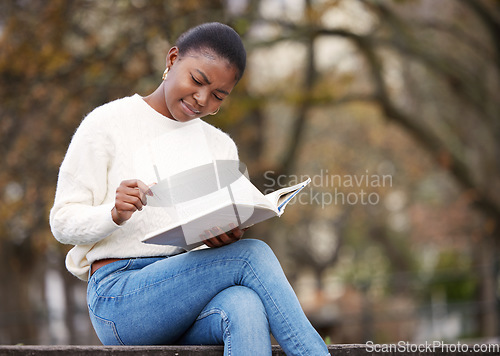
x=196 y=81
x=218 y=97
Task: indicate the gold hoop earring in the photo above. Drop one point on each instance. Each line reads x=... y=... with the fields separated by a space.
x=215 y=112
x=165 y=73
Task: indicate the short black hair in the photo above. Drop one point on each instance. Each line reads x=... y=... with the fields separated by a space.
x=220 y=38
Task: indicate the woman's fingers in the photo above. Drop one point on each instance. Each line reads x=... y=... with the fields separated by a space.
x=213 y=239
x=130 y=197
x=216 y=237
x=144 y=188
x=237 y=232
x=222 y=237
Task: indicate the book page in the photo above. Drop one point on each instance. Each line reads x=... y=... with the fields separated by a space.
x=209 y=196
x=158 y=159
x=281 y=197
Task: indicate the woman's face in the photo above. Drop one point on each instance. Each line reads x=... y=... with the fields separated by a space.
x=196 y=84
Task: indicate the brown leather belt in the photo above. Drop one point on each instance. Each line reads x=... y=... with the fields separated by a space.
x=101 y=263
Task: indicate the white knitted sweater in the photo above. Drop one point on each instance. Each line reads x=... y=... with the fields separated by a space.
x=124 y=139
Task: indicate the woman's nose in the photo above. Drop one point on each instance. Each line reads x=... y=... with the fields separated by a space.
x=201 y=97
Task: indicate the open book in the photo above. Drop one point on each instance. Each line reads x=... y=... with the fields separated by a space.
x=207 y=200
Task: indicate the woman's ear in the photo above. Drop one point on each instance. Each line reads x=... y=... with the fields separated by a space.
x=172 y=56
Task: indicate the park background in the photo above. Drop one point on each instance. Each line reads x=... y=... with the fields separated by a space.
x=349 y=92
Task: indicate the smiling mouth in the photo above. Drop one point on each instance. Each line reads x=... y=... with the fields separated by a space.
x=189 y=108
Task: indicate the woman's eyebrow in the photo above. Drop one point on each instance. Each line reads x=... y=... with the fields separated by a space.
x=209 y=82
x=204 y=76
x=222 y=91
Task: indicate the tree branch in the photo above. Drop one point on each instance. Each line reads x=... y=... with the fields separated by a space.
x=426 y=137
x=491 y=24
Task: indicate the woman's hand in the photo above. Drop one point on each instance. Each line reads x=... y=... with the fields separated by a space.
x=219 y=238
x=130 y=197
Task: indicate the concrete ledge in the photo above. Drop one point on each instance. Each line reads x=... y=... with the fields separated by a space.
x=336 y=350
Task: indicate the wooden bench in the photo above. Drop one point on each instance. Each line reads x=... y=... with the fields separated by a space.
x=74 y=350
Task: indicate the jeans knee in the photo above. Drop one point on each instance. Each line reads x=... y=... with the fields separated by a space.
x=244 y=307
x=257 y=248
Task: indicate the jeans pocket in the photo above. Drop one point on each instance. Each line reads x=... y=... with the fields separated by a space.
x=114 y=269
x=105 y=330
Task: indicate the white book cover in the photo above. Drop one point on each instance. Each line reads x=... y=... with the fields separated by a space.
x=200 y=199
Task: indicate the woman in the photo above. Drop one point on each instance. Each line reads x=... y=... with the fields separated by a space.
x=233 y=293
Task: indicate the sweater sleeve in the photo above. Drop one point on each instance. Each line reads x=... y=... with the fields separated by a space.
x=80 y=214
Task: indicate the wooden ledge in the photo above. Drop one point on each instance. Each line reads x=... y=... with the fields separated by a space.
x=335 y=350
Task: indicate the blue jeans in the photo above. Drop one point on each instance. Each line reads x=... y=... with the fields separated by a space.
x=234 y=295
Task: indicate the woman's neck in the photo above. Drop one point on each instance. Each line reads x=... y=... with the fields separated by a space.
x=157 y=101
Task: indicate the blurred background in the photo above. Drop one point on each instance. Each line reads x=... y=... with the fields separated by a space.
x=391 y=107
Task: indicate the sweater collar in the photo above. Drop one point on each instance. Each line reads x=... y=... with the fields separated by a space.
x=169 y=121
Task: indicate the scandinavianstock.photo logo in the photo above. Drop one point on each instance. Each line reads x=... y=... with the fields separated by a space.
x=328 y=189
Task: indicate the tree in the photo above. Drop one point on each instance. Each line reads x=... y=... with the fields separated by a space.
x=433 y=73
x=58 y=61
x=430 y=70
